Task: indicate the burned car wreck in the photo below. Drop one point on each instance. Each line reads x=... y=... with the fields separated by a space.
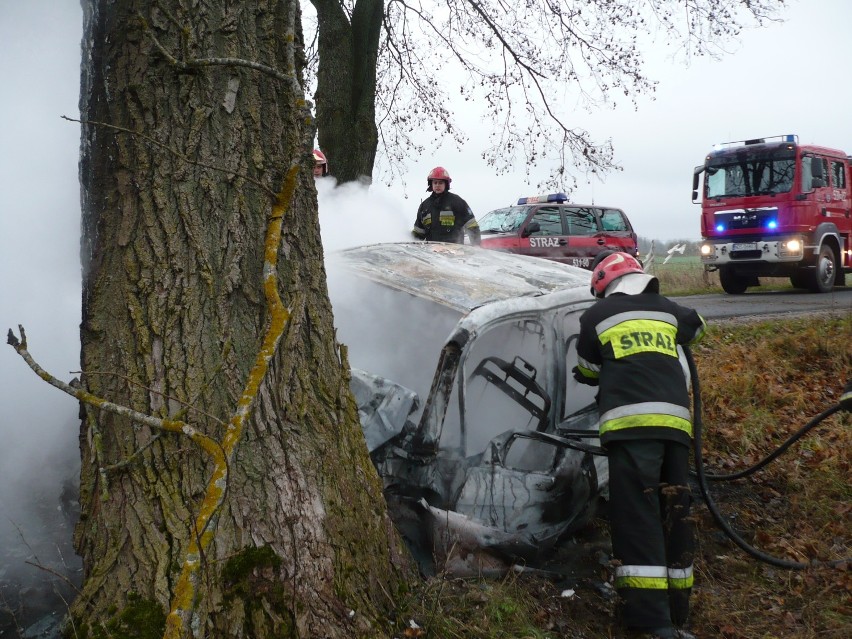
x=461 y=367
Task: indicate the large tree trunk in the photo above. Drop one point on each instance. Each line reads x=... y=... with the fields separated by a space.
x=346 y=86
x=174 y=313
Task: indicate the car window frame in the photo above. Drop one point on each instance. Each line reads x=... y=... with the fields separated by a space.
x=535 y=210
x=626 y=222
x=594 y=214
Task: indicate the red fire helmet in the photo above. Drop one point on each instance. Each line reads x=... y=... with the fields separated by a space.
x=611 y=268
x=438 y=173
x=319 y=158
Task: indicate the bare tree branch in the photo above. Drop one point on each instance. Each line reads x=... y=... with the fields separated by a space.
x=195 y=63
x=172 y=426
x=532 y=56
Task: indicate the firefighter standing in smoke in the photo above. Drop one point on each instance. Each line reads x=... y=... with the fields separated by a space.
x=628 y=346
x=444 y=216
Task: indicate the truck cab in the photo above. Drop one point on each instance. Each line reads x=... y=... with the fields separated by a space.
x=772 y=207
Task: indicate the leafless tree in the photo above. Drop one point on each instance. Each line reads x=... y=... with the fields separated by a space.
x=386 y=71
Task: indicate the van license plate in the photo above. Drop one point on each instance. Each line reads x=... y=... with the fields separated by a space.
x=747 y=246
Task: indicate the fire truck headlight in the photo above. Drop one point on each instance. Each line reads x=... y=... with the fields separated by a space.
x=706 y=250
x=791 y=248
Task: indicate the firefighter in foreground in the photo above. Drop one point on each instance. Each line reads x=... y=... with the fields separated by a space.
x=444 y=216
x=629 y=348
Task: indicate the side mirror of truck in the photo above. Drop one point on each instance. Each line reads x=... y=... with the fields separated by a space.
x=817 y=183
x=696 y=172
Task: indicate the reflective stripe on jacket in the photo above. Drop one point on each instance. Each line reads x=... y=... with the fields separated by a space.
x=445 y=218
x=628 y=346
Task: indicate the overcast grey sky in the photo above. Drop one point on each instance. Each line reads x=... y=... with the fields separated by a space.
x=788 y=78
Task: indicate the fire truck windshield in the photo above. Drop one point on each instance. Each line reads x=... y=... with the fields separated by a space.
x=742 y=173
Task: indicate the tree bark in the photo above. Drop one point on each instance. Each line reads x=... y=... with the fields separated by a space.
x=180 y=168
x=346 y=87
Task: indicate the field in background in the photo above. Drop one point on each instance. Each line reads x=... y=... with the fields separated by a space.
x=683 y=275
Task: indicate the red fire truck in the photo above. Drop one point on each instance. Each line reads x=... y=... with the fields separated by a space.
x=772 y=207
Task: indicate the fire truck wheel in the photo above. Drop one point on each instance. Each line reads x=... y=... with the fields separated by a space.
x=822 y=278
x=731 y=282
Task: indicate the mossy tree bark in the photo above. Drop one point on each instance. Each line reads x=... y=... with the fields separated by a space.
x=180 y=169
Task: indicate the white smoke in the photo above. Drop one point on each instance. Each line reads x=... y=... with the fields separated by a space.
x=354 y=214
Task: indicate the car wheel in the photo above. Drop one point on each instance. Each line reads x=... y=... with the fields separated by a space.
x=822 y=277
x=731 y=282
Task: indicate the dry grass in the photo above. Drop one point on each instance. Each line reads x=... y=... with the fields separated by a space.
x=686 y=276
x=760 y=383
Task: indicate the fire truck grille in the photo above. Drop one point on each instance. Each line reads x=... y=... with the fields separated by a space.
x=746 y=255
x=747 y=218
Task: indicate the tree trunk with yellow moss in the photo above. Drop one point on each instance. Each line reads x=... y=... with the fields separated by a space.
x=255 y=511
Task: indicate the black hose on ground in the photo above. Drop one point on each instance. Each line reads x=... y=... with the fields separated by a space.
x=703 y=477
x=778 y=451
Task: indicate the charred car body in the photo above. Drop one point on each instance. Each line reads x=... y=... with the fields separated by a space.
x=461 y=361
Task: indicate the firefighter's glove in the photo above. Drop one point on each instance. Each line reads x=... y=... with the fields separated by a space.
x=582 y=379
x=846 y=397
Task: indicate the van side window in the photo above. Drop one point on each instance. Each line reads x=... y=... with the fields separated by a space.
x=838 y=175
x=581 y=221
x=549 y=221
x=613 y=220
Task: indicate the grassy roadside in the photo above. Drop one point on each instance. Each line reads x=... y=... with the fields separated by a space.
x=685 y=275
x=760 y=383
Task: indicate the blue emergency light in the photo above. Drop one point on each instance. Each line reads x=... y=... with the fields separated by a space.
x=550 y=197
x=720 y=227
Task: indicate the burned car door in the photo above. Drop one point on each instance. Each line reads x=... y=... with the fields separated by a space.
x=505 y=381
x=521 y=486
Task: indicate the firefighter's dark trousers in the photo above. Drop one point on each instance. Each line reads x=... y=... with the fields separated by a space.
x=652 y=536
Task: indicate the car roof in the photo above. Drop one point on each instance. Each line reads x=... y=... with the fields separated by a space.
x=571 y=205
x=563 y=205
x=460 y=276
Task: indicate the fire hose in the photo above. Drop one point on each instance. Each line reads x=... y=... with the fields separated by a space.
x=703 y=477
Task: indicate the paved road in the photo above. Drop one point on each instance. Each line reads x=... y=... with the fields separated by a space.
x=757 y=303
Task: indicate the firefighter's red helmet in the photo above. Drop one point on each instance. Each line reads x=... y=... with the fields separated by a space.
x=438 y=173
x=610 y=269
x=319 y=159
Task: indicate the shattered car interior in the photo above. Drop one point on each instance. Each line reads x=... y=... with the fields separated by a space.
x=461 y=367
